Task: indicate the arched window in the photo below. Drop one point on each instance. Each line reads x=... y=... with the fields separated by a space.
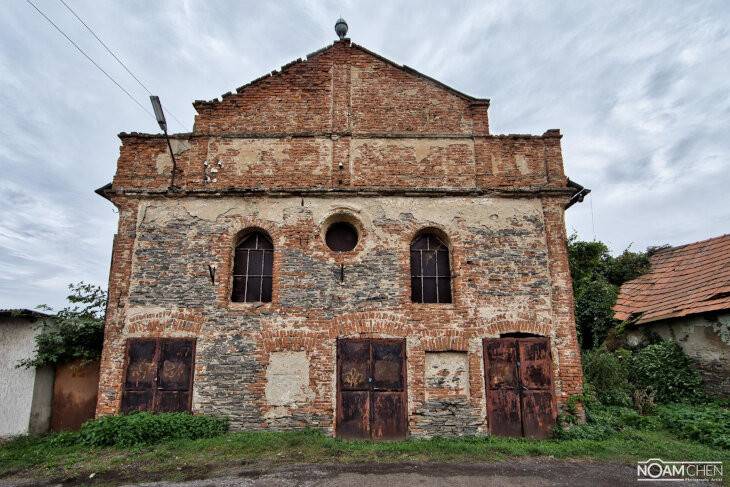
x=252 y=269
x=430 y=270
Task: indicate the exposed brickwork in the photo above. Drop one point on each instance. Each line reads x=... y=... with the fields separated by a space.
x=344 y=134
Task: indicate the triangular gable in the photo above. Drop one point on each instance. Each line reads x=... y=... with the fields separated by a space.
x=342 y=87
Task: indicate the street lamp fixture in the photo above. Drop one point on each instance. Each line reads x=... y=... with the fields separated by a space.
x=160 y=116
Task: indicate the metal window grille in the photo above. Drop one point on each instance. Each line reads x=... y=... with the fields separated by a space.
x=252 y=269
x=430 y=270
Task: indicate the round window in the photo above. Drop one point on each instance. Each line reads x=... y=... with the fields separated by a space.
x=341 y=237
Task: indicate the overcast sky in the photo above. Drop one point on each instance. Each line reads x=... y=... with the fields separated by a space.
x=640 y=91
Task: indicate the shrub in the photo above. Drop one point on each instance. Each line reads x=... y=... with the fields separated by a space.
x=75 y=332
x=644 y=401
x=608 y=376
x=63 y=438
x=145 y=428
x=664 y=368
x=604 y=421
x=709 y=424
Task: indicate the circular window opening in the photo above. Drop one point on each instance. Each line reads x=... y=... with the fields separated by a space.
x=341 y=237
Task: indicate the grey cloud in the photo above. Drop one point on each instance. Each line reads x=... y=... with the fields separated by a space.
x=639 y=91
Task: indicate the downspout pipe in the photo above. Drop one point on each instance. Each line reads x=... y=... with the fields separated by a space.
x=579 y=195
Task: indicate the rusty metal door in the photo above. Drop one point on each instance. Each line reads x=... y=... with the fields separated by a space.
x=159 y=375
x=519 y=386
x=371 y=389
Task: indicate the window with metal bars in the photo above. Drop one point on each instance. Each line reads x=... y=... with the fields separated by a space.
x=252 y=269
x=430 y=270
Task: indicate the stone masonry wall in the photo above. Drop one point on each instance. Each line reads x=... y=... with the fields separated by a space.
x=343 y=133
x=502 y=283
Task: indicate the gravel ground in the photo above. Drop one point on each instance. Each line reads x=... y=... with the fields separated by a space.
x=536 y=471
x=518 y=472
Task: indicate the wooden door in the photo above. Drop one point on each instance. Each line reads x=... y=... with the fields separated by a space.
x=159 y=375
x=518 y=376
x=371 y=389
x=536 y=380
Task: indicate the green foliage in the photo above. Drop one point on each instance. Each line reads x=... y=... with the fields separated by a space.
x=666 y=369
x=75 y=332
x=594 y=299
x=708 y=424
x=64 y=438
x=147 y=428
x=36 y=461
x=645 y=400
x=608 y=376
x=603 y=422
x=597 y=276
x=627 y=266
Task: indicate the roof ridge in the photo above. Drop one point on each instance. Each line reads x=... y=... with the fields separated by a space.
x=680 y=247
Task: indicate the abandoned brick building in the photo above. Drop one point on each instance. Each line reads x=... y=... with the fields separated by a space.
x=342 y=244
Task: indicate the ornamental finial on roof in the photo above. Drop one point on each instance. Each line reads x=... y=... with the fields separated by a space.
x=341 y=28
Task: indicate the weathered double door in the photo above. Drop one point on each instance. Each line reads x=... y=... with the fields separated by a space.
x=158 y=375
x=519 y=386
x=371 y=389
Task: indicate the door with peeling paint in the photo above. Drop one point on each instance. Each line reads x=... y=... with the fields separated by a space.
x=518 y=376
x=158 y=375
x=371 y=389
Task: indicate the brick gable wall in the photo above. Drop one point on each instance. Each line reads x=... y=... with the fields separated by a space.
x=344 y=132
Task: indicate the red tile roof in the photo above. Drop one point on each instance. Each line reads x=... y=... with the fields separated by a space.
x=684 y=280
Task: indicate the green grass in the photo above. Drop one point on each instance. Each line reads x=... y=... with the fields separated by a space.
x=183 y=459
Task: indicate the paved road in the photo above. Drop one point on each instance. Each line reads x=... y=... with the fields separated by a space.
x=537 y=472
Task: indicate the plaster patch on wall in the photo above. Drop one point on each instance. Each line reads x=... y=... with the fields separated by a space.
x=180 y=145
x=163 y=163
x=267 y=157
x=496 y=163
x=521 y=164
x=420 y=148
x=287 y=380
x=447 y=373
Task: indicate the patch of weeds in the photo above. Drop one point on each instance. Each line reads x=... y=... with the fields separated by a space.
x=708 y=424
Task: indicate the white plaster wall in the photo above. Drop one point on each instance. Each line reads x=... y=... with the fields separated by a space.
x=704 y=338
x=16 y=384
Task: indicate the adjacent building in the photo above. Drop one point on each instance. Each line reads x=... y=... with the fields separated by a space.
x=685 y=297
x=343 y=244
x=25 y=393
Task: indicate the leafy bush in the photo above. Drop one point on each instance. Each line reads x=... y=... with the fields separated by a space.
x=608 y=376
x=709 y=424
x=604 y=421
x=597 y=276
x=145 y=428
x=75 y=332
x=664 y=368
x=64 y=438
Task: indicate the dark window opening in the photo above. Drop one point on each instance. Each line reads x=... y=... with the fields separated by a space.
x=430 y=270
x=252 y=269
x=341 y=237
x=519 y=334
x=159 y=375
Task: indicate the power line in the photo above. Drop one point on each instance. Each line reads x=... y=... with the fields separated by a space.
x=91 y=60
x=117 y=58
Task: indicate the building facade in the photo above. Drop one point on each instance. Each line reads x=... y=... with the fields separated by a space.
x=343 y=245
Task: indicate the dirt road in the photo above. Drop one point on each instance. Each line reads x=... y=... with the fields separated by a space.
x=517 y=472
